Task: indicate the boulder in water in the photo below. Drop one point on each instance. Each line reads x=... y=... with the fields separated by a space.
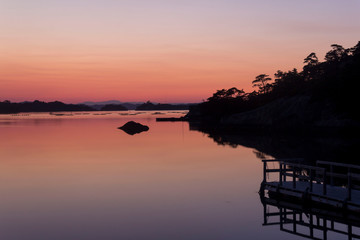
x=132 y=128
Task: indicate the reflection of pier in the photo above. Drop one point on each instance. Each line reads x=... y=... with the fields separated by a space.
x=313 y=223
x=334 y=185
x=312 y=199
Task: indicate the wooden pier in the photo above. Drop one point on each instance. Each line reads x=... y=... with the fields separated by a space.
x=327 y=185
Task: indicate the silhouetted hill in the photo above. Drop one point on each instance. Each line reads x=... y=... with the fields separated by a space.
x=90 y=103
x=324 y=94
x=114 y=107
x=38 y=106
x=160 y=106
x=131 y=106
x=99 y=105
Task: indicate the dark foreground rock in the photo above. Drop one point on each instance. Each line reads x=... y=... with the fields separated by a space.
x=132 y=128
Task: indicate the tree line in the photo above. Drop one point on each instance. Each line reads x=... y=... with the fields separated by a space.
x=336 y=80
x=7 y=107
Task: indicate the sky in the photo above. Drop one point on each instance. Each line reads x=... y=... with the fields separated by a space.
x=160 y=50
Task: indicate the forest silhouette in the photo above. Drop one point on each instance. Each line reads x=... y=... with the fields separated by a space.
x=7 y=107
x=334 y=83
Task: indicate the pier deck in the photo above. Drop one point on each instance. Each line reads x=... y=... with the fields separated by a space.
x=320 y=184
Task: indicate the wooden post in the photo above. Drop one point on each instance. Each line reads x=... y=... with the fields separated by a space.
x=311 y=180
x=349 y=186
x=331 y=176
x=284 y=168
x=281 y=174
x=294 y=222
x=350 y=232
x=264 y=172
x=311 y=225
x=265 y=218
x=324 y=181
x=324 y=229
x=282 y=219
x=294 y=178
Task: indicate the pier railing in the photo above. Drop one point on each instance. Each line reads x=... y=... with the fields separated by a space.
x=324 y=173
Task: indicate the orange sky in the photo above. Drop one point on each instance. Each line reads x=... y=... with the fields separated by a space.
x=164 y=51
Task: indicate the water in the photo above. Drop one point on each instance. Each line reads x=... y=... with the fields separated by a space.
x=79 y=177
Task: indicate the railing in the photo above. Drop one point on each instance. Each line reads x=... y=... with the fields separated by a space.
x=324 y=175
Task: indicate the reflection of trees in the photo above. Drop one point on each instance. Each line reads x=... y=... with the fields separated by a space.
x=286 y=146
x=261 y=81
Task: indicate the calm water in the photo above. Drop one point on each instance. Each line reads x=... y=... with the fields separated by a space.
x=79 y=177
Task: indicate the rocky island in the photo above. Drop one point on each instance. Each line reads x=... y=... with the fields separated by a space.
x=133 y=128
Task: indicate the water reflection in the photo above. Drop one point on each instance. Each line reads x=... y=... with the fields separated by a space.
x=295 y=217
x=79 y=177
x=311 y=148
x=311 y=201
x=85 y=179
x=313 y=223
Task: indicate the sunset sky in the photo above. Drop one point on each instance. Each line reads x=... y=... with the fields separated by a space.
x=160 y=50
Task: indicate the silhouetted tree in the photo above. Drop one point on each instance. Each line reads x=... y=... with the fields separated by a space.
x=225 y=94
x=355 y=50
x=311 y=59
x=311 y=67
x=336 y=54
x=261 y=81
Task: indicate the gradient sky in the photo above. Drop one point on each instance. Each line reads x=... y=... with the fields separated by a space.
x=160 y=50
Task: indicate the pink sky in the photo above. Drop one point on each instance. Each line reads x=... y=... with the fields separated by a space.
x=164 y=51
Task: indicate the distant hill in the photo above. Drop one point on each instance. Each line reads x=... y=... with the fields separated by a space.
x=90 y=103
x=113 y=107
x=162 y=106
x=38 y=106
x=131 y=106
x=139 y=105
x=100 y=105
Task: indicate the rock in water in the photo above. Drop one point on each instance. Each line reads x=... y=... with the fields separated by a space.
x=132 y=128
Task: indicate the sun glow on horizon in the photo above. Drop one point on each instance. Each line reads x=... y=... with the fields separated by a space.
x=156 y=50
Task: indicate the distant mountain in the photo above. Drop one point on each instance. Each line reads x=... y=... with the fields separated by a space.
x=89 y=103
x=113 y=107
x=139 y=105
x=131 y=106
x=7 y=107
x=100 y=105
